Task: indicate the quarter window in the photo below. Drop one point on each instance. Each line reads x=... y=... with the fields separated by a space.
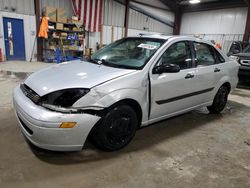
x=178 y=53
x=204 y=54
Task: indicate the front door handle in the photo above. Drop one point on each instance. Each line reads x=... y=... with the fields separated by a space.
x=216 y=70
x=188 y=76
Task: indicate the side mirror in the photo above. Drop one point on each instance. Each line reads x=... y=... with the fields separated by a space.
x=236 y=51
x=166 y=68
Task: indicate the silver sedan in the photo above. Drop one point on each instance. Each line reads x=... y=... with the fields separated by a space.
x=130 y=83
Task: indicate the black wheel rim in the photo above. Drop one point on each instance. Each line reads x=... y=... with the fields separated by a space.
x=221 y=99
x=120 y=128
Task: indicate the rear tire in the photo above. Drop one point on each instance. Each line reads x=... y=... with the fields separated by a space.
x=220 y=100
x=116 y=129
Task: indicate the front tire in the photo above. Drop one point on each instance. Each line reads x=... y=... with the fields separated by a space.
x=220 y=100
x=116 y=129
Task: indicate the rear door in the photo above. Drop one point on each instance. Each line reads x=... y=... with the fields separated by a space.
x=206 y=71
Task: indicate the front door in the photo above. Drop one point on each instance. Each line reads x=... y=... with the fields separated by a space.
x=173 y=92
x=14 y=39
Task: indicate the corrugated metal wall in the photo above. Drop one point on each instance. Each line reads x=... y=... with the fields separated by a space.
x=114 y=13
x=140 y=21
x=223 y=26
x=58 y=4
x=226 y=21
x=21 y=6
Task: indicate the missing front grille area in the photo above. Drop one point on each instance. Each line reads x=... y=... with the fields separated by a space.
x=25 y=126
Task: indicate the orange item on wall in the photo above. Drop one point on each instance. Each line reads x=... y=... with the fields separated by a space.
x=43 y=32
x=217 y=45
x=1 y=57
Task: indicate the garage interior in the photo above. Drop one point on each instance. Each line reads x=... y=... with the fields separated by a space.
x=191 y=150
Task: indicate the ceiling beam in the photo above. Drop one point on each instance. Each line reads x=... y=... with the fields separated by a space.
x=146 y=4
x=247 y=2
x=172 y=5
x=213 y=6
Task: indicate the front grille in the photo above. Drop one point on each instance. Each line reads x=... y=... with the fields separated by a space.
x=33 y=96
x=25 y=126
x=245 y=62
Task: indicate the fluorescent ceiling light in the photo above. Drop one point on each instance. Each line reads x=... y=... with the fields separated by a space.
x=194 y=1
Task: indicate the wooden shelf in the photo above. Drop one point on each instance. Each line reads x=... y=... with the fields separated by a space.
x=72 y=24
x=66 y=31
x=63 y=49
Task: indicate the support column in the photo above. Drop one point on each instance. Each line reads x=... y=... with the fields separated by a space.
x=39 y=40
x=247 y=28
x=126 y=17
x=177 y=21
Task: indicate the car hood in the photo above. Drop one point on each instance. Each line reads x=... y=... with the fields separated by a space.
x=72 y=75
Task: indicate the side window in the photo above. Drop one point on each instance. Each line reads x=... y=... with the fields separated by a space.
x=178 y=53
x=219 y=57
x=204 y=54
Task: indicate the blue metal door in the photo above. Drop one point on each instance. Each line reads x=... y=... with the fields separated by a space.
x=14 y=39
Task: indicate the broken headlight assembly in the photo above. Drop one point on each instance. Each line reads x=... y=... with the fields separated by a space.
x=63 y=100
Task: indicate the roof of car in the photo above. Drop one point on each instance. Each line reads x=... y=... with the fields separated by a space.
x=165 y=37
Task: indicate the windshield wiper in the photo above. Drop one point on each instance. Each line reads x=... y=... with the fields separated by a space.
x=109 y=64
x=93 y=61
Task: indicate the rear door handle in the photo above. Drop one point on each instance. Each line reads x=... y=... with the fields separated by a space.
x=188 y=76
x=216 y=70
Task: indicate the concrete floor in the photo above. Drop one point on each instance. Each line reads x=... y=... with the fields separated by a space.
x=193 y=150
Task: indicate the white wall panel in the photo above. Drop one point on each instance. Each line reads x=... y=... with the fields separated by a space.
x=114 y=13
x=21 y=6
x=140 y=21
x=164 y=16
x=223 y=26
x=225 y=21
x=29 y=32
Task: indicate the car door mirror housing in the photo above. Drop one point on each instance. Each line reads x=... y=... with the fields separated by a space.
x=166 y=68
x=236 y=51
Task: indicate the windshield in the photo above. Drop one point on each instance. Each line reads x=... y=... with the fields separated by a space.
x=247 y=49
x=128 y=52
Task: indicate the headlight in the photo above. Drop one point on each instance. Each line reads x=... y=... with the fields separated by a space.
x=63 y=98
x=236 y=58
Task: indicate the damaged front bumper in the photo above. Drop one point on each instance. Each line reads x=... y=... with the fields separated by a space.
x=42 y=126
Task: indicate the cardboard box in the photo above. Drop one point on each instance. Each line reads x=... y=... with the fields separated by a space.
x=51 y=47
x=59 y=26
x=50 y=12
x=76 y=29
x=73 y=47
x=88 y=51
x=64 y=34
x=66 y=47
x=61 y=15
